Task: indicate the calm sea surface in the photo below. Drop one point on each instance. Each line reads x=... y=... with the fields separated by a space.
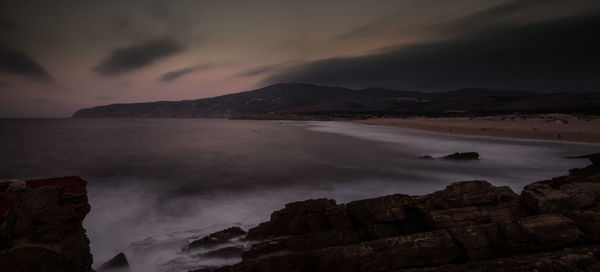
x=154 y=184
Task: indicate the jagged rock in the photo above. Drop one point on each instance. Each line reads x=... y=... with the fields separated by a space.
x=584 y=258
x=462 y=156
x=40 y=232
x=594 y=158
x=217 y=238
x=435 y=247
x=118 y=263
x=226 y=252
x=469 y=193
x=303 y=242
x=296 y=218
x=387 y=216
x=589 y=222
x=468 y=226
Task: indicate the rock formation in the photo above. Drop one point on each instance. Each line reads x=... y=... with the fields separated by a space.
x=462 y=156
x=118 y=263
x=217 y=238
x=554 y=225
x=41 y=227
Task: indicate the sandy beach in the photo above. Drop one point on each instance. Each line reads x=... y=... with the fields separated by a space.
x=556 y=127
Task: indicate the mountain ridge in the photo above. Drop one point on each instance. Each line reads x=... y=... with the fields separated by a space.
x=286 y=100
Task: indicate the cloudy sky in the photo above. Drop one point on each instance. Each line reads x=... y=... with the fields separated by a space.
x=61 y=55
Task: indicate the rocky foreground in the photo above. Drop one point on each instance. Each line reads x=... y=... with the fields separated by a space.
x=41 y=228
x=554 y=225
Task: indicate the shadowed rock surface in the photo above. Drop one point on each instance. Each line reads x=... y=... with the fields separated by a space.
x=40 y=232
x=226 y=252
x=554 y=225
x=117 y=263
x=217 y=238
x=462 y=156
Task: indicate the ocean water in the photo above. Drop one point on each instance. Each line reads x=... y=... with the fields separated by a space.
x=156 y=184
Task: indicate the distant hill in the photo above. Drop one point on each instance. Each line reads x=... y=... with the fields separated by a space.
x=309 y=99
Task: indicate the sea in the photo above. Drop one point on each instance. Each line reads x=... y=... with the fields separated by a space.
x=154 y=185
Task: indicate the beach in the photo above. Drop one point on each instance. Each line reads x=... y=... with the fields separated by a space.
x=556 y=127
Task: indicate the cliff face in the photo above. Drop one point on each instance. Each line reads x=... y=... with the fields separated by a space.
x=554 y=225
x=41 y=228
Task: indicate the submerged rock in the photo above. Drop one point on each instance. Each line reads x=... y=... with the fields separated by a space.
x=118 y=263
x=594 y=158
x=462 y=156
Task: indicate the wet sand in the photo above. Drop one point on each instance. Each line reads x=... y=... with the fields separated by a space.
x=557 y=127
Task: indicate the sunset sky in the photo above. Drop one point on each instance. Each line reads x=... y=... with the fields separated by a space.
x=62 y=55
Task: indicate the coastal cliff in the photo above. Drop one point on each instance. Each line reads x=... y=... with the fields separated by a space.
x=41 y=226
x=554 y=225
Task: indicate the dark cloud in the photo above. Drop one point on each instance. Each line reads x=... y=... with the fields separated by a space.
x=256 y=71
x=553 y=55
x=131 y=58
x=517 y=12
x=366 y=30
x=173 y=75
x=13 y=61
x=505 y=13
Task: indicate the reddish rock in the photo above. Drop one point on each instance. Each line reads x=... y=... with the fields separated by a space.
x=41 y=232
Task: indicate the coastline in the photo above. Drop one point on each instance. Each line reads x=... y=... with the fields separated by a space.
x=553 y=127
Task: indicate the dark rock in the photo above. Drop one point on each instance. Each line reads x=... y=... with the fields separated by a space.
x=462 y=156
x=387 y=216
x=585 y=258
x=226 y=252
x=469 y=226
x=427 y=157
x=470 y=193
x=380 y=255
x=42 y=233
x=297 y=218
x=117 y=263
x=588 y=221
x=539 y=232
x=217 y=238
x=303 y=243
x=471 y=215
x=594 y=158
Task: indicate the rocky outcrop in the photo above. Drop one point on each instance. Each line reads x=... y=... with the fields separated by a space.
x=41 y=227
x=118 y=263
x=216 y=239
x=462 y=156
x=554 y=225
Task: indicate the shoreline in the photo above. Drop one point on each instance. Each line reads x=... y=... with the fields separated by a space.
x=553 y=127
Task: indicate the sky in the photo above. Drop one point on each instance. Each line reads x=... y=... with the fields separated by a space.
x=62 y=55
